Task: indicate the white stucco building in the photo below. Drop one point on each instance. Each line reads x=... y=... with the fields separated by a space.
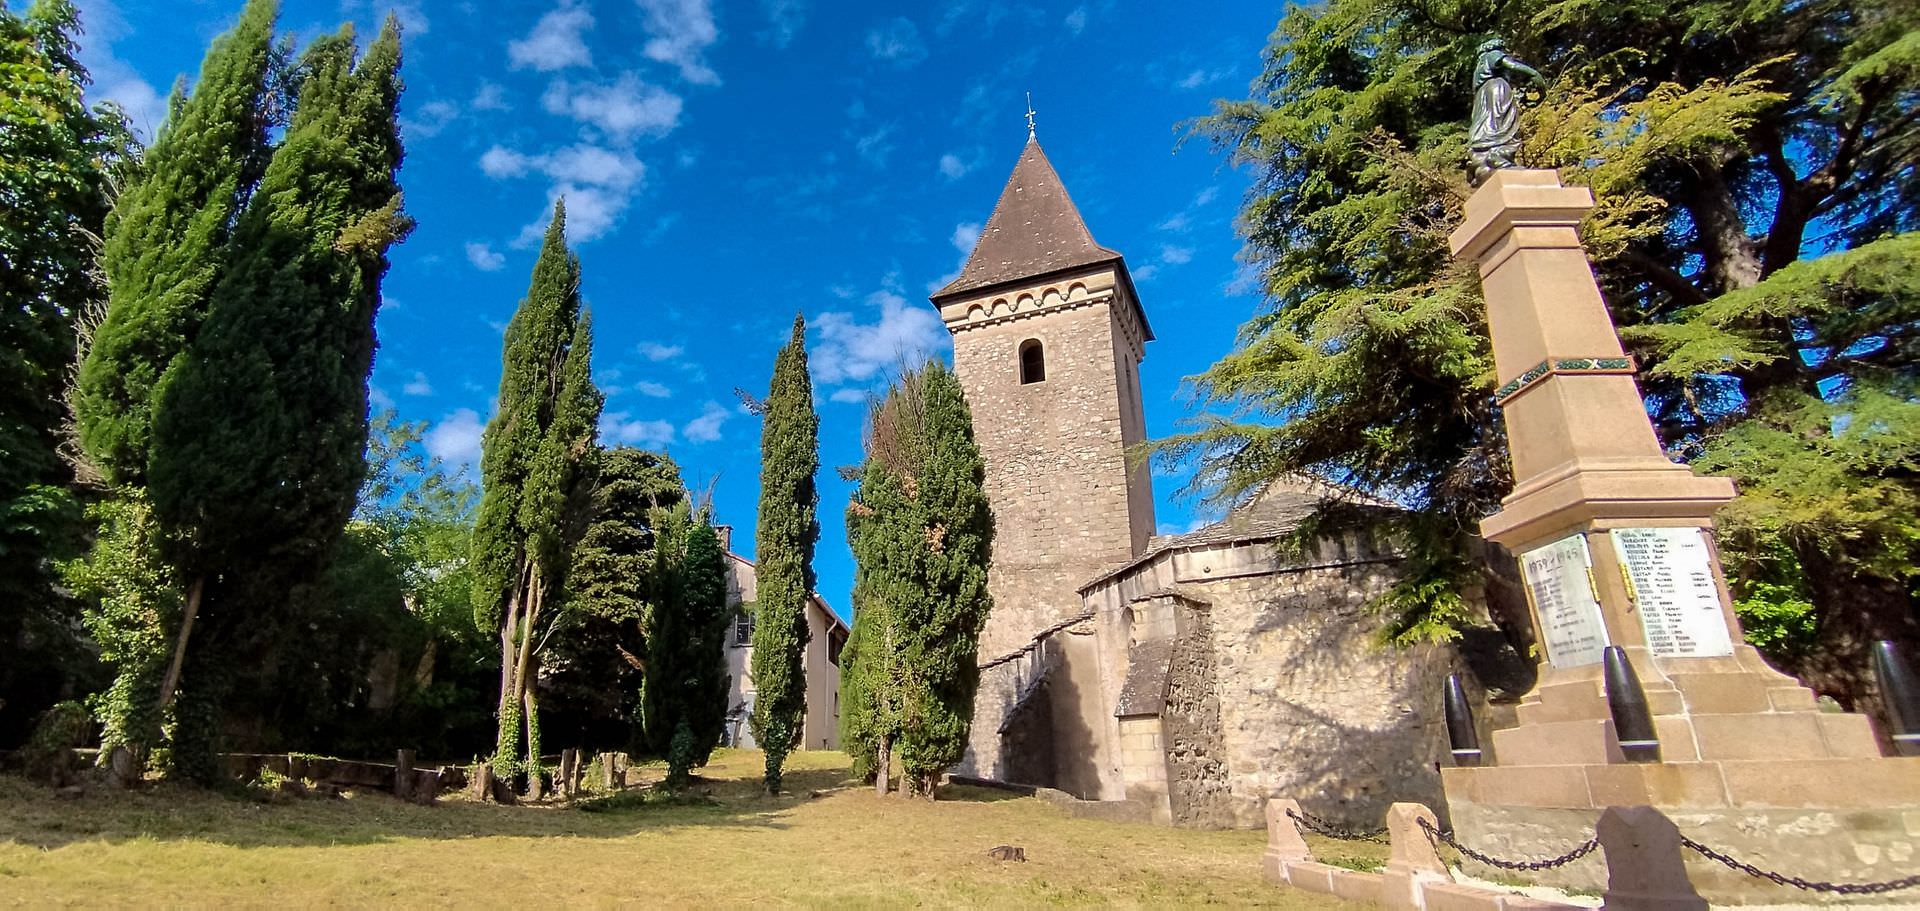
x=822 y=662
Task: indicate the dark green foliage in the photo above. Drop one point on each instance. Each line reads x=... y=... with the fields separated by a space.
x=57 y=161
x=590 y=682
x=260 y=424
x=685 y=698
x=785 y=536
x=538 y=462
x=1726 y=143
x=133 y=601
x=922 y=534
x=166 y=242
x=48 y=754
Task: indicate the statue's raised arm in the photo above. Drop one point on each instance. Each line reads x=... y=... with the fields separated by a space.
x=1495 y=130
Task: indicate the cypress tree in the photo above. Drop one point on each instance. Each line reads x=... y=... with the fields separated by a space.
x=685 y=699
x=787 y=531
x=537 y=464
x=165 y=246
x=923 y=541
x=260 y=425
x=614 y=589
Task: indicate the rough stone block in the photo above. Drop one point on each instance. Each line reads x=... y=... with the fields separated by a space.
x=1663 y=784
x=1354 y=885
x=1311 y=876
x=1848 y=735
x=1722 y=694
x=1456 y=897
x=1873 y=784
x=1779 y=735
x=1519 y=786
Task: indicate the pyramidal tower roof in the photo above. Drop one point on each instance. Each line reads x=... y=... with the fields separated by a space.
x=1034 y=230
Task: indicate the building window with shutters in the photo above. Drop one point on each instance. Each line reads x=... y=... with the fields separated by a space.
x=743 y=626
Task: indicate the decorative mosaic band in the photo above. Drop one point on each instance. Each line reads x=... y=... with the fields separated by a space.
x=1564 y=365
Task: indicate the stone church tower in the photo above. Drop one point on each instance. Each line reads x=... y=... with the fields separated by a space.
x=1048 y=334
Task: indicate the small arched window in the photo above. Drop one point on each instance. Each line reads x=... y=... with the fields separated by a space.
x=1033 y=362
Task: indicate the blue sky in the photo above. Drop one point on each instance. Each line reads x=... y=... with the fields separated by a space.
x=728 y=163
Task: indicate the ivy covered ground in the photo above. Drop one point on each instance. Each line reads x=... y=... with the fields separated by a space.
x=731 y=847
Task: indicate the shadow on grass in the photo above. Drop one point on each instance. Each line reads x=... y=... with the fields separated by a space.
x=966 y=793
x=35 y=816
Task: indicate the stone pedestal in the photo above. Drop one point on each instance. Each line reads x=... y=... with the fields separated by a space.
x=1746 y=753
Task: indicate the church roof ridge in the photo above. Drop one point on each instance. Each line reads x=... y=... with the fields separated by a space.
x=1035 y=229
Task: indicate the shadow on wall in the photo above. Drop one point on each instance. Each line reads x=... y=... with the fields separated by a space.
x=1076 y=761
x=1337 y=721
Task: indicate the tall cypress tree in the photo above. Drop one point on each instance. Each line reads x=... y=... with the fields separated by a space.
x=685 y=699
x=537 y=464
x=787 y=531
x=165 y=246
x=260 y=426
x=923 y=540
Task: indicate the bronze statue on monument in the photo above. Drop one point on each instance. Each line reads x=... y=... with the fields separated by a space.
x=1495 y=130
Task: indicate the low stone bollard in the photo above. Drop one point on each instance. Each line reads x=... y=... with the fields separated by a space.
x=1284 y=842
x=1646 y=870
x=1413 y=863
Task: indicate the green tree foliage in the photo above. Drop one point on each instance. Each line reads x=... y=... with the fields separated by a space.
x=537 y=465
x=260 y=425
x=685 y=699
x=133 y=602
x=1755 y=171
x=166 y=242
x=57 y=162
x=922 y=536
x=590 y=680
x=786 y=534
x=385 y=655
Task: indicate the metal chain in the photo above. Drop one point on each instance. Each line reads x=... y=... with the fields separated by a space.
x=1583 y=850
x=1378 y=836
x=1797 y=882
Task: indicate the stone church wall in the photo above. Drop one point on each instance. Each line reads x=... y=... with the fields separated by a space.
x=1059 y=483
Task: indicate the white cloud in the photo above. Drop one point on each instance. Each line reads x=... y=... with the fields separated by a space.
x=873 y=147
x=483 y=257
x=1205 y=196
x=555 y=42
x=1175 y=256
x=621 y=109
x=430 y=119
x=784 y=18
x=1146 y=272
x=418 y=385
x=1202 y=77
x=1077 y=20
x=413 y=21
x=965 y=235
x=455 y=440
x=849 y=351
x=115 y=79
x=706 y=427
x=489 y=97
x=656 y=352
x=379 y=399
x=953 y=167
x=679 y=32
x=897 y=41
x=850 y=395
x=596 y=182
x=499 y=162
x=652 y=389
x=622 y=427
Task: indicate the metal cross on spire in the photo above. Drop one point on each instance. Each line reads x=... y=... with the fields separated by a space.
x=1030 y=113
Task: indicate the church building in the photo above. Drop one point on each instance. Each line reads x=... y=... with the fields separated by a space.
x=1191 y=676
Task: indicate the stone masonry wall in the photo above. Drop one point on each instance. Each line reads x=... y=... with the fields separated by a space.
x=1063 y=498
x=1313 y=708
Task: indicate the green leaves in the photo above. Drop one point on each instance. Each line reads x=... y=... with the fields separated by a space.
x=785 y=537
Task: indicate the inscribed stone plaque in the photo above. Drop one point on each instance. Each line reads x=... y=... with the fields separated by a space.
x=1674 y=591
x=1561 y=588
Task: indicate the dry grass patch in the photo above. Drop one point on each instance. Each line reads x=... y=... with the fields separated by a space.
x=731 y=846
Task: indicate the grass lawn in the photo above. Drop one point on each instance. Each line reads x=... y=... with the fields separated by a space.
x=841 y=848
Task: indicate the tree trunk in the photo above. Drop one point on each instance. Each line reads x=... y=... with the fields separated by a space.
x=882 y=761
x=531 y=723
x=171 y=682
